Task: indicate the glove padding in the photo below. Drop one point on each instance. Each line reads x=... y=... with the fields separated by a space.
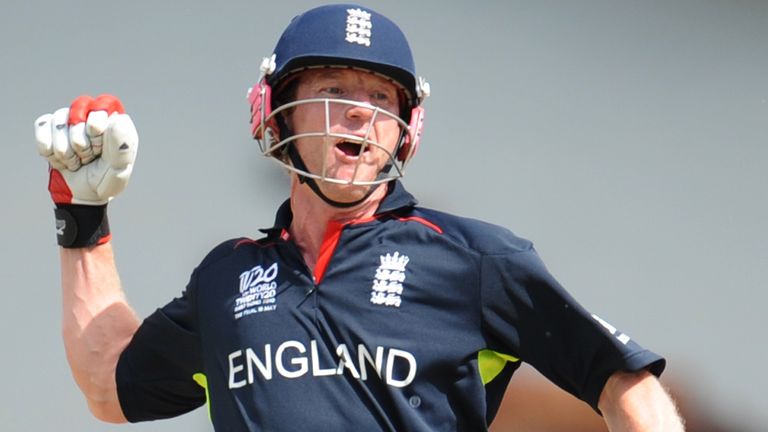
x=91 y=148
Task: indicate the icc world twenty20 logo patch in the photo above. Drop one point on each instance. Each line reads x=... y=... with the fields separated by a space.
x=258 y=291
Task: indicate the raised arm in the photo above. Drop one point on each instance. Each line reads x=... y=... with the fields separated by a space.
x=97 y=324
x=637 y=402
x=91 y=147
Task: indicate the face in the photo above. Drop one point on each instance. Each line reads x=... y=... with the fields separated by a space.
x=369 y=137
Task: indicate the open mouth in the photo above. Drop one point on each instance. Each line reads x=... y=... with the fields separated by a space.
x=350 y=148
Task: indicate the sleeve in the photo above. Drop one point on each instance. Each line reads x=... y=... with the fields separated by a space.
x=154 y=373
x=527 y=314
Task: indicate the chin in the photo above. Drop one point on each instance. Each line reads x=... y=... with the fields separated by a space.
x=346 y=172
x=343 y=193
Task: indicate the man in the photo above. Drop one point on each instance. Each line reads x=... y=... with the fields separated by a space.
x=358 y=310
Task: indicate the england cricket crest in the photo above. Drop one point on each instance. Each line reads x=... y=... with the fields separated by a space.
x=358 y=27
x=388 y=282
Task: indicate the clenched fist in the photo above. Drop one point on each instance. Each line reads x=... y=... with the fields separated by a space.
x=91 y=148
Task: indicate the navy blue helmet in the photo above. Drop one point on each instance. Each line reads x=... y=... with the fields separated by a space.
x=343 y=36
x=346 y=35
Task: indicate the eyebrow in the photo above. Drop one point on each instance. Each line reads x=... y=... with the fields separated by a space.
x=327 y=73
x=335 y=73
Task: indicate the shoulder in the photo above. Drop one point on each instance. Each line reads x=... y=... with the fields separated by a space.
x=220 y=251
x=482 y=237
x=229 y=249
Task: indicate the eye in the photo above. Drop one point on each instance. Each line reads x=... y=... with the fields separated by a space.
x=381 y=97
x=332 y=91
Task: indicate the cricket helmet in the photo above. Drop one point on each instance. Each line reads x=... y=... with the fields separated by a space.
x=346 y=36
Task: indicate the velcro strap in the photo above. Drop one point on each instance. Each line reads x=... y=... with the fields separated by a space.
x=79 y=226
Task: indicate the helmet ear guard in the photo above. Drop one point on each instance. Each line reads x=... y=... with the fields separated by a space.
x=413 y=135
x=265 y=128
x=260 y=99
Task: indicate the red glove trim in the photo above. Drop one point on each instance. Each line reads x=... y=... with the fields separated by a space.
x=107 y=102
x=83 y=105
x=79 y=109
x=57 y=186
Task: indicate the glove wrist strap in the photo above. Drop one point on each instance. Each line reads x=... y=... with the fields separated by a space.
x=79 y=226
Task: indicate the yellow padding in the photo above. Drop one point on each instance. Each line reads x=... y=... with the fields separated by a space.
x=491 y=363
x=202 y=381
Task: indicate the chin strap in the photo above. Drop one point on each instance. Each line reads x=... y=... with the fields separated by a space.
x=299 y=164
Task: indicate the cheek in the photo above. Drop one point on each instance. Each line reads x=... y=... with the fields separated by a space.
x=387 y=133
x=305 y=118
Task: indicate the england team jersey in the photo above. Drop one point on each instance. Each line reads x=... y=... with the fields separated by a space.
x=412 y=320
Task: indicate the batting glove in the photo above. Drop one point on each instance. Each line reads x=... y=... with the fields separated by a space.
x=91 y=148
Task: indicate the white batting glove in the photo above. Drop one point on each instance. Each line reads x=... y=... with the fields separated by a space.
x=91 y=148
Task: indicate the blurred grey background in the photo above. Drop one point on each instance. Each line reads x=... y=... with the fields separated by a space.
x=627 y=138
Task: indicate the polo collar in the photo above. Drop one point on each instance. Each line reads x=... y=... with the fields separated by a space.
x=397 y=198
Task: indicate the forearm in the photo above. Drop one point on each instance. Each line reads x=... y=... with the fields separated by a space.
x=637 y=402
x=97 y=325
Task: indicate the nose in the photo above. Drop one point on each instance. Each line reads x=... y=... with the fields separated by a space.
x=359 y=120
x=357 y=112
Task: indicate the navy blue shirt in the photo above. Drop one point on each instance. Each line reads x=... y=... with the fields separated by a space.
x=413 y=320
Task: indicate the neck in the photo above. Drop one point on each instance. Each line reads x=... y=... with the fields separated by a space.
x=311 y=216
